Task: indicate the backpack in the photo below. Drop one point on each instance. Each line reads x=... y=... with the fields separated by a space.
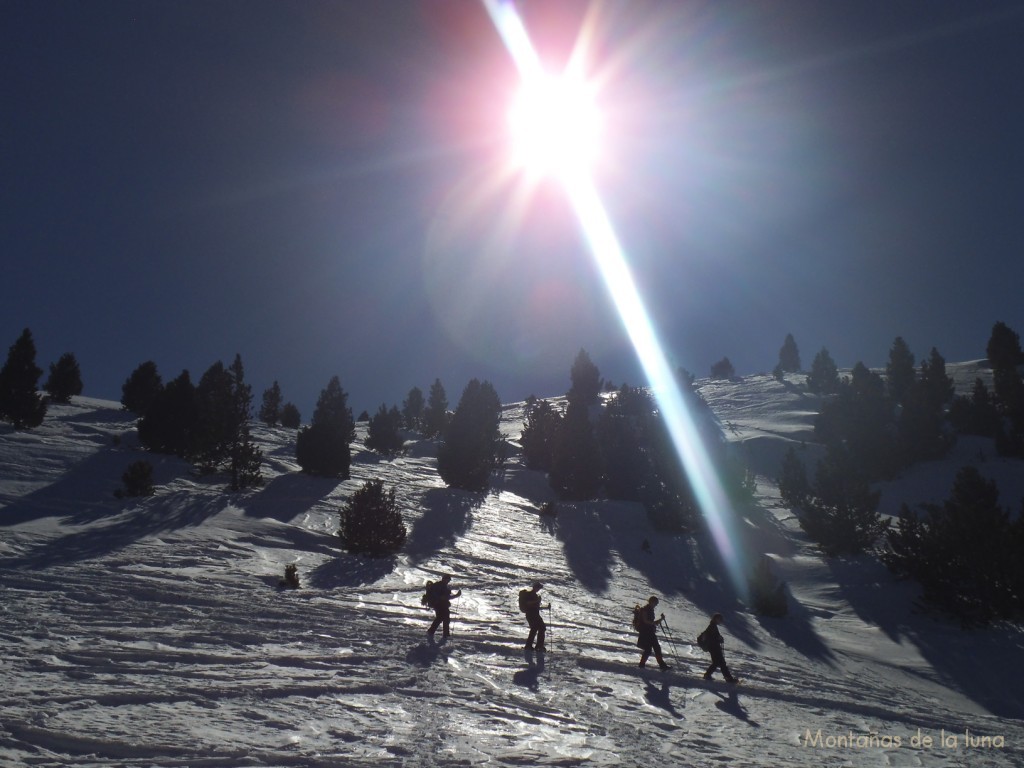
x=427 y=601
x=638 y=617
x=702 y=641
x=524 y=600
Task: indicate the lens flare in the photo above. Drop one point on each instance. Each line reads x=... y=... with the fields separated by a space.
x=611 y=262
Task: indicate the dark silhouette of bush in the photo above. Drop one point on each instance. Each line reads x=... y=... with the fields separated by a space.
x=977 y=414
x=137 y=480
x=767 y=593
x=1006 y=358
x=900 y=375
x=20 y=402
x=141 y=388
x=322 y=448
x=965 y=552
x=371 y=523
x=473 y=446
x=65 y=380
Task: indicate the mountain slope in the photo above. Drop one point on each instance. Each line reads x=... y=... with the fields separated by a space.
x=151 y=632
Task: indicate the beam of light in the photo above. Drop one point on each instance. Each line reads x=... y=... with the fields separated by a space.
x=611 y=261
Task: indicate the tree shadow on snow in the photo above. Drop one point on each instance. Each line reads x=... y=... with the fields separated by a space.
x=157 y=515
x=975 y=662
x=350 y=571
x=447 y=515
x=587 y=537
x=289 y=495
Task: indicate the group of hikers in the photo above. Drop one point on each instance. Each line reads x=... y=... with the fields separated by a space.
x=439 y=596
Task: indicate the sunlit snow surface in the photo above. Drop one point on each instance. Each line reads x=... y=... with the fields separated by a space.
x=151 y=633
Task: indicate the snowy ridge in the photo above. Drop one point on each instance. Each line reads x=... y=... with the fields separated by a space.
x=152 y=633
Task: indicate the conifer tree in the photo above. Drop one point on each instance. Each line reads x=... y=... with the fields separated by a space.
x=141 y=388
x=435 y=417
x=65 y=380
x=823 y=378
x=384 y=433
x=20 y=402
x=322 y=448
x=169 y=423
x=540 y=430
x=412 y=408
x=270 y=409
x=576 y=462
x=371 y=523
x=963 y=552
x=723 y=369
x=473 y=446
x=789 y=355
x=290 y=416
x=586 y=380
x=899 y=371
x=245 y=457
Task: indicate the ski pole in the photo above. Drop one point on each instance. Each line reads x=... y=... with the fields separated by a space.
x=550 y=633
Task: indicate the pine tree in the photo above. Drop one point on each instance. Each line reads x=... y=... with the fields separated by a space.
x=576 y=462
x=923 y=419
x=322 y=448
x=384 y=434
x=20 y=402
x=899 y=371
x=540 y=430
x=435 y=417
x=586 y=380
x=794 y=487
x=1005 y=357
x=723 y=369
x=789 y=355
x=290 y=416
x=270 y=409
x=371 y=523
x=216 y=425
x=963 y=552
x=473 y=446
x=841 y=514
x=65 y=380
x=244 y=456
x=824 y=376
x=412 y=408
x=141 y=388
x=170 y=421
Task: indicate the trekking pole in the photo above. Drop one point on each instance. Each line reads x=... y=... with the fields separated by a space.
x=550 y=624
x=671 y=641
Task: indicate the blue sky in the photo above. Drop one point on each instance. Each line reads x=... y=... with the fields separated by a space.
x=314 y=185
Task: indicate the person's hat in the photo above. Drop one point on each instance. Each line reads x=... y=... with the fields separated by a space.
x=537 y=585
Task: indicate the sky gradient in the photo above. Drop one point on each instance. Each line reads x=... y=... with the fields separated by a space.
x=321 y=187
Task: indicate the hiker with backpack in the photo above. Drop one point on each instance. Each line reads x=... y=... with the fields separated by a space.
x=711 y=641
x=439 y=596
x=530 y=604
x=646 y=625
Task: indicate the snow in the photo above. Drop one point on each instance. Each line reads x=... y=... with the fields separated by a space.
x=151 y=632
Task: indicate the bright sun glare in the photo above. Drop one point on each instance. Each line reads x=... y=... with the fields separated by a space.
x=555 y=125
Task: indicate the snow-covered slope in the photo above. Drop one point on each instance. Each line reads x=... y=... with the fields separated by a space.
x=152 y=633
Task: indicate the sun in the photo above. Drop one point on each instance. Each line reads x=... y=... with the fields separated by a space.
x=555 y=125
